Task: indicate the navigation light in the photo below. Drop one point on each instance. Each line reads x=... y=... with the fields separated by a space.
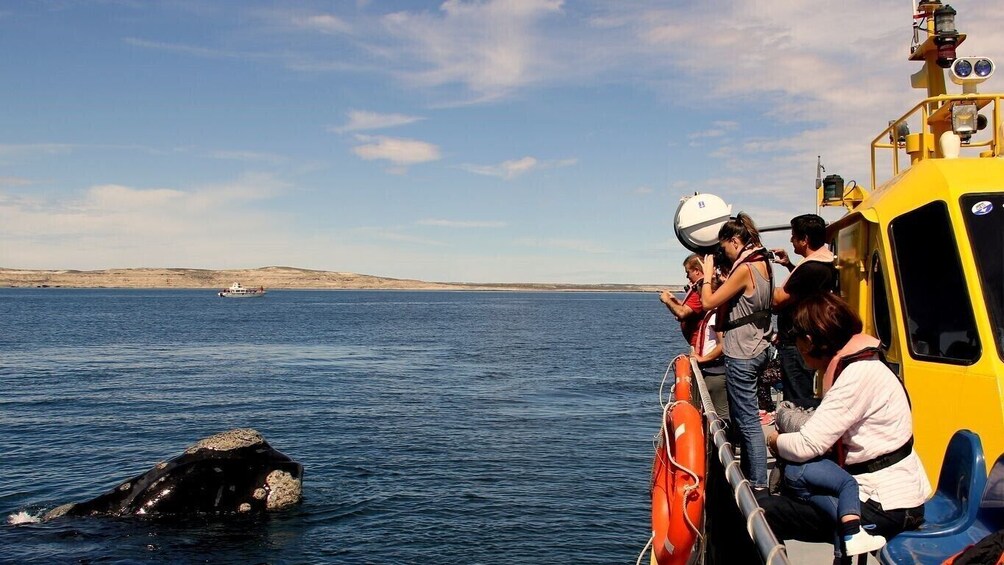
x=833 y=188
x=944 y=20
x=946 y=37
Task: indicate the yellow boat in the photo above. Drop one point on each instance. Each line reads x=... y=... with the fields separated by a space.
x=920 y=256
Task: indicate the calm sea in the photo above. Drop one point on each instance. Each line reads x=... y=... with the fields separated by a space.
x=434 y=427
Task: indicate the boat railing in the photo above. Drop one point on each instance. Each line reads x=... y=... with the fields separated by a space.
x=935 y=117
x=771 y=550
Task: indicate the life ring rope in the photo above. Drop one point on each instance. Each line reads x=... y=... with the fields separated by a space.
x=666 y=408
x=677 y=487
x=669 y=455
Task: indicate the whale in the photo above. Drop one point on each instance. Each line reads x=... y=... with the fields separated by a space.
x=232 y=473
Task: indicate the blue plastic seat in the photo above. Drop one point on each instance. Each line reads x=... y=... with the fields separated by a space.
x=934 y=548
x=960 y=486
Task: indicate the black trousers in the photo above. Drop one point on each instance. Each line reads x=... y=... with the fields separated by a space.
x=793 y=518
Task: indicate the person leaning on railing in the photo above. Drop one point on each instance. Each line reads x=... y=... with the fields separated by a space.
x=688 y=311
x=864 y=415
x=745 y=319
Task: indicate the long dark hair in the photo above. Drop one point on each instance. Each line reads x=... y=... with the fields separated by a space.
x=741 y=226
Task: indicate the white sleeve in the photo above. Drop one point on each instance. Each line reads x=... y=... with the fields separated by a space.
x=841 y=408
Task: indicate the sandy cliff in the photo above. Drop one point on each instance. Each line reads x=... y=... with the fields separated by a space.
x=271 y=278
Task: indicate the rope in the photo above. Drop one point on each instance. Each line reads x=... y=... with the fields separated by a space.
x=669 y=454
x=758 y=511
x=664 y=435
x=663 y=383
x=777 y=549
x=686 y=517
x=647 y=546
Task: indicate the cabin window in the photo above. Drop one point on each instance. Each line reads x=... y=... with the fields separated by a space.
x=880 y=304
x=984 y=216
x=939 y=315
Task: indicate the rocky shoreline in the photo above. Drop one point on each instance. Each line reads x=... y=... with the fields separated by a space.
x=272 y=278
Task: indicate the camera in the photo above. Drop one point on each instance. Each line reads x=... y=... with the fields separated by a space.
x=721 y=260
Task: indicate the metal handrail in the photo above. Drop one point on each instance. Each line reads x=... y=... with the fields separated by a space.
x=772 y=551
x=927 y=141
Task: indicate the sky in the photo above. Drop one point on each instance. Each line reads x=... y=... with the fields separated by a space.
x=458 y=140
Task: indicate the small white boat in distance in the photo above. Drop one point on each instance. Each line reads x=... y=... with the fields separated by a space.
x=238 y=291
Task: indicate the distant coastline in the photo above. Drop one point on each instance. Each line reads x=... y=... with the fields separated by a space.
x=272 y=278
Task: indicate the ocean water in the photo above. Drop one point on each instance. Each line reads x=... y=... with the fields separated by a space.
x=434 y=427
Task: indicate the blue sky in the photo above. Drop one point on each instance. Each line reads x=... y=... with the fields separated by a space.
x=481 y=141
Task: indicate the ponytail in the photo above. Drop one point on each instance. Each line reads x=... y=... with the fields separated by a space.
x=741 y=226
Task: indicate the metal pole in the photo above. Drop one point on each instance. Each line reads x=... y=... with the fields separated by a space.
x=771 y=550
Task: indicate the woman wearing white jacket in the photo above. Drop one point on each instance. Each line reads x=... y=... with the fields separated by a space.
x=865 y=416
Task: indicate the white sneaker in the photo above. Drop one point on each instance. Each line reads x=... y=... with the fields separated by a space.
x=862 y=542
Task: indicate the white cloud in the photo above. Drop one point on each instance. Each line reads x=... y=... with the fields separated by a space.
x=146 y=216
x=516 y=167
x=491 y=47
x=360 y=120
x=463 y=224
x=834 y=87
x=193 y=50
x=323 y=23
x=718 y=128
x=396 y=150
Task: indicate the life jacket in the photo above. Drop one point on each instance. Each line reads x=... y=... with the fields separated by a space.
x=822 y=255
x=885 y=460
x=690 y=325
x=989 y=550
x=760 y=254
x=717 y=365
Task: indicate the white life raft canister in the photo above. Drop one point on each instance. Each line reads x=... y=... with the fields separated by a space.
x=698 y=219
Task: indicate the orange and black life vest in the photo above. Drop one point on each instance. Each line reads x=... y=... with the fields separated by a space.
x=882 y=461
x=760 y=254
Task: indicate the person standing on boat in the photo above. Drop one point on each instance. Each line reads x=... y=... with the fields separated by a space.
x=688 y=311
x=745 y=321
x=865 y=416
x=709 y=356
x=815 y=274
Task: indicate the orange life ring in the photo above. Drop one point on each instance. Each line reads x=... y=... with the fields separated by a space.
x=684 y=378
x=675 y=500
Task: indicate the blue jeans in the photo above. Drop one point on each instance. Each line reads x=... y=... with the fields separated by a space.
x=826 y=485
x=741 y=376
x=796 y=377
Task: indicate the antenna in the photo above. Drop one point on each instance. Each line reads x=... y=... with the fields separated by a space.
x=820 y=169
